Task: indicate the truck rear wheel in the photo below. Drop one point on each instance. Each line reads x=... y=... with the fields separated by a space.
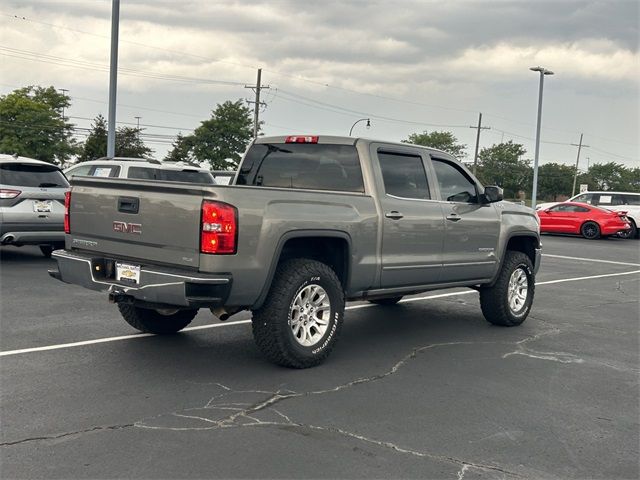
x=160 y=322
x=300 y=321
x=508 y=302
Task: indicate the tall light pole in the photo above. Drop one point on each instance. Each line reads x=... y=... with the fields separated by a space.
x=358 y=121
x=543 y=72
x=113 y=79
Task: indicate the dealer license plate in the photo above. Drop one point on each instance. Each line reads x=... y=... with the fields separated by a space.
x=126 y=272
x=42 y=206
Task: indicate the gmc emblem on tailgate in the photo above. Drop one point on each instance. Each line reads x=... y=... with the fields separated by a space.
x=124 y=227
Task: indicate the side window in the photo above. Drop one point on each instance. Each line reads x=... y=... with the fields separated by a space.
x=105 y=171
x=584 y=198
x=561 y=208
x=142 y=173
x=632 y=199
x=605 y=199
x=618 y=200
x=404 y=175
x=454 y=184
x=81 y=170
x=581 y=209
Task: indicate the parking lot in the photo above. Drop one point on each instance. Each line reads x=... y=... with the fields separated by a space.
x=425 y=389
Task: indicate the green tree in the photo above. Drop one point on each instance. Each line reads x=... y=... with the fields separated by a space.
x=502 y=165
x=611 y=176
x=128 y=142
x=222 y=139
x=445 y=141
x=555 y=179
x=182 y=149
x=31 y=124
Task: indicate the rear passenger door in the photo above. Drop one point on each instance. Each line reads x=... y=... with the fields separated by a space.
x=472 y=228
x=413 y=225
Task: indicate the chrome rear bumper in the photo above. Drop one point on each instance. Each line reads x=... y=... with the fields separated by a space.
x=158 y=285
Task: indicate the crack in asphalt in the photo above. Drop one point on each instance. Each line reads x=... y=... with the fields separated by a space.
x=235 y=414
x=68 y=434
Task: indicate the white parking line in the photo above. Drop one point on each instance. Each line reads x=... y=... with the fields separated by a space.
x=592 y=260
x=240 y=322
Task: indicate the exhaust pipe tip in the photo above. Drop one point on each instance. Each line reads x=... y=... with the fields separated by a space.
x=7 y=239
x=222 y=313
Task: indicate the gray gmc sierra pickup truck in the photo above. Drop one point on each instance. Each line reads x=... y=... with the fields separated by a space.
x=308 y=223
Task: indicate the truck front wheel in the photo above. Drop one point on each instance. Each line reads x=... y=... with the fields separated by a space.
x=508 y=301
x=160 y=322
x=300 y=321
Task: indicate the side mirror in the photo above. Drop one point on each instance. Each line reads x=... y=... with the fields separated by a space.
x=493 y=194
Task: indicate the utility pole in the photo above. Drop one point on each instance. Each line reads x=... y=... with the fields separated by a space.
x=113 y=79
x=257 y=103
x=64 y=93
x=479 y=128
x=575 y=174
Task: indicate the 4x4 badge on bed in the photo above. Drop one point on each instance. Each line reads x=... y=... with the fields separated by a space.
x=124 y=227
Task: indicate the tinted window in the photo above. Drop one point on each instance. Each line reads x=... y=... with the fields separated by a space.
x=569 y=208
x=189 y=176
x=26 y=175
x=454 y=185
x=632 y=199
x=404 y=175
x=304 y=166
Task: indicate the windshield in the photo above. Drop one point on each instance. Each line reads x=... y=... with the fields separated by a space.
x=31 y=175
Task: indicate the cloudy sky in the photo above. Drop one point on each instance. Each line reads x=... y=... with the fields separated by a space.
x=408 y=65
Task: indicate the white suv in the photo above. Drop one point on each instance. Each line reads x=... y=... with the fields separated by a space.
x=617 y=201
x=123 y=167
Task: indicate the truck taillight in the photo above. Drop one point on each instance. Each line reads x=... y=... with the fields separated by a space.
x=67 y=204
x=9 y=193
x=219 y=228
x=301 y=139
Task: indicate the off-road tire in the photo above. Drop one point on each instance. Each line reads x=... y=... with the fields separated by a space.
x=151 y=321
x=386 y=301
x=494 y=300
x=590 y=230
x=271 y=328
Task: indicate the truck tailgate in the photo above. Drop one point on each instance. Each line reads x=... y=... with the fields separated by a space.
x=154 y=221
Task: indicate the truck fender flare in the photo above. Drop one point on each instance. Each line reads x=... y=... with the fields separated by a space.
x=278 y=252
x=521 y=233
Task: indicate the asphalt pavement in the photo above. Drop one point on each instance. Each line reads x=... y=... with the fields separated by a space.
x=424 y=389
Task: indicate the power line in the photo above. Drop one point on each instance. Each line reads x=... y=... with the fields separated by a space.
x=298 y=77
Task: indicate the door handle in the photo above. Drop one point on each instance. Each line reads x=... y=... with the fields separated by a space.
x=394 y=215
x=454 y=217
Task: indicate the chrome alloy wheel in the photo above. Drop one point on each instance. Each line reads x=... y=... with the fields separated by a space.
x=309 y=315
x=518 y=290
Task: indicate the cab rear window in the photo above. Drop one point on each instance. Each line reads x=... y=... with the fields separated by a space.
x=31 y=175
x=303 y=166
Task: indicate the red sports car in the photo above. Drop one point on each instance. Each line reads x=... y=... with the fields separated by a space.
x=582 y=219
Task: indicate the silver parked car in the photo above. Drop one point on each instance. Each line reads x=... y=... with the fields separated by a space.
x=31 y=203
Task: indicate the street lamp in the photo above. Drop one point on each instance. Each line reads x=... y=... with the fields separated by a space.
x=358 y=121
x=543 y=72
